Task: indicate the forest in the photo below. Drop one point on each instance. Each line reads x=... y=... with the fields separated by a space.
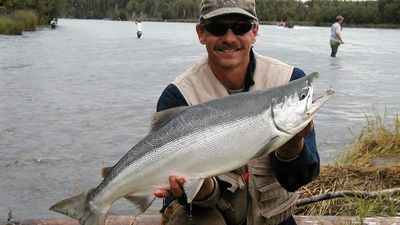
x=313 y=12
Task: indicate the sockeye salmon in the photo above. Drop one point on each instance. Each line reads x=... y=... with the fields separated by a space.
x=200 y=141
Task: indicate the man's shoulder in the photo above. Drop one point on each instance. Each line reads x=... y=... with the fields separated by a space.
x=270 y=72
x=336 y=25
x=269 y=60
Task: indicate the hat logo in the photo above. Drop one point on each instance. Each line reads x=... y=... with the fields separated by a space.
x=229 y=3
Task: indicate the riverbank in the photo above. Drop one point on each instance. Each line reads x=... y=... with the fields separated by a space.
x=155 y=220
x=365 y=180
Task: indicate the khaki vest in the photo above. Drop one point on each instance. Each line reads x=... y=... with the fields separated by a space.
x=268 y=201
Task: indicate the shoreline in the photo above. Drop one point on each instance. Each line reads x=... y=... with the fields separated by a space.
x=156 y=219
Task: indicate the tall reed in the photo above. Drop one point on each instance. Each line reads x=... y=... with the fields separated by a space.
x=371 y=163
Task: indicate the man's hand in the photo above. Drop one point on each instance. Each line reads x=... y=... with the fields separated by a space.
x=176 y=187
x=294 y=146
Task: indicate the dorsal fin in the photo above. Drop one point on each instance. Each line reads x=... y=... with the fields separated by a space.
x=160 y=118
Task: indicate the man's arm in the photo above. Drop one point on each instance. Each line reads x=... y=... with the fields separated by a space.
x=171 y=97
x=339 y=37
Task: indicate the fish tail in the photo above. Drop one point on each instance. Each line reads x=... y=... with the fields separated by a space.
x=80 y=207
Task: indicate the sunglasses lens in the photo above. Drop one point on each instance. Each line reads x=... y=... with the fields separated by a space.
x=219 y=29
x=241 y=27
x=216 y=29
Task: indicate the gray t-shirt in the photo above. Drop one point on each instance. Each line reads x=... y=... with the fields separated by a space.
x=336 y=28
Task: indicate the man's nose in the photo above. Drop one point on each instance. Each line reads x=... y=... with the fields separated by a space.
x=229 y=35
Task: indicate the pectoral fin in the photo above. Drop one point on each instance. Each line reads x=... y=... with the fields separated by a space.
x=267 y=148
x=192 y=187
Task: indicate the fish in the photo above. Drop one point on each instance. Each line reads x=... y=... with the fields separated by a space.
x=198 y=142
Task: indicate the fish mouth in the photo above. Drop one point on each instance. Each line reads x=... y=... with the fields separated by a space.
x=318 y=102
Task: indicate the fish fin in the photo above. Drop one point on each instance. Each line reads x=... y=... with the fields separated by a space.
x=192 y=187
x=105 y=171
x=160 y=118
x=81 y=208
x=142 y=202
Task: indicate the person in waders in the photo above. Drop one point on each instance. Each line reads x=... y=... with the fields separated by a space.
x=138 y=23
x=336 y=37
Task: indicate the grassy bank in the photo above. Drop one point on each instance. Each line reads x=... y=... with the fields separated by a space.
x=368 y=166
x=17 y=22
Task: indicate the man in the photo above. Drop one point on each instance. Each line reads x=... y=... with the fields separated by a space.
x=263 y=191
x=138 y=22
x=53 y=23
x=336 y=38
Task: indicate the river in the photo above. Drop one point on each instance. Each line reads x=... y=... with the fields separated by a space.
x=77 y=98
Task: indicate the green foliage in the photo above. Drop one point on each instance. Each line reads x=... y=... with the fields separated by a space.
x=313 y=12
x=27 y=18
x=8 y=26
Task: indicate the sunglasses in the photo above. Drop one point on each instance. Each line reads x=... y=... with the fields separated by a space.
x=219 y=29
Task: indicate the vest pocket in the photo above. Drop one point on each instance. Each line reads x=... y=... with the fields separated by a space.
x=270 y=191
x=274 y=200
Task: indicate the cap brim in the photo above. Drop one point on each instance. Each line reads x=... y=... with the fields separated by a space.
x=227 y=11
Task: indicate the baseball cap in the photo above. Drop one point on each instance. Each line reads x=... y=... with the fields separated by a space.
x=213 y=8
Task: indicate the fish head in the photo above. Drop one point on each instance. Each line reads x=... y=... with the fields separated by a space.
x=297 y=105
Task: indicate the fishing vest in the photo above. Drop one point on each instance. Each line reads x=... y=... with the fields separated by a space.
x=267 y=201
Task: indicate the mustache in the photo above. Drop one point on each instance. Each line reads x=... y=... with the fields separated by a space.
x=228 y=46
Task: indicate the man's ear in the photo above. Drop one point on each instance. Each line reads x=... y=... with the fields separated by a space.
x=255 y=32
x=200 y=34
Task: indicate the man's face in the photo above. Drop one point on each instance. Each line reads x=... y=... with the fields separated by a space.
x=228 y=50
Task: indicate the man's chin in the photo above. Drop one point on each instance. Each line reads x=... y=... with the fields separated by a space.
x=228 y=64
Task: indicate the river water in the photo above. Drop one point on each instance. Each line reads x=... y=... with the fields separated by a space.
x=77 y=98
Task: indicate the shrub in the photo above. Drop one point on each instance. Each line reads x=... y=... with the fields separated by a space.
x=28 y=18
x=17 y=22
x=9 y=26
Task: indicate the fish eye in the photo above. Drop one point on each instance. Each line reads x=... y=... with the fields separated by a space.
x=303 y=93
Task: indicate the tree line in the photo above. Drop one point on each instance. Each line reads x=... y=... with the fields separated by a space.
x=313 y=12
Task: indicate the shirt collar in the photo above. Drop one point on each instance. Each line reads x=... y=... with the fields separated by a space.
x=249 y=81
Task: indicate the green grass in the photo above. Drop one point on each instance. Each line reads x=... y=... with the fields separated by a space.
x=378 y=139
x=357 y=170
